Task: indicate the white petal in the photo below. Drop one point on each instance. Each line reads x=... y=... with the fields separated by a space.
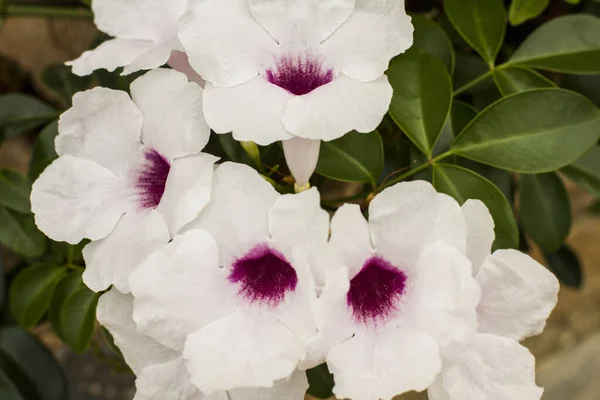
x=111 y=261
x=169 y=380
x=301 y=156
x=172 y=108
x=179 y=289
x=75 y=199
x=238 y=214
x=376 y=31
x=110 y=55
x=187 y=190
x=350 y=241
x=307 y=22
x=179 y=62
x=332 y=110
x=154 y=57
x=240 y=50
x=480 y=232
x=384 y=365
x=139 y=19
x=114 y=312
x=409 y=216
x=494 y=368
x=252 y=111
x=293 y=388
x=237 y=352
x=518 y=295
x=104 y=126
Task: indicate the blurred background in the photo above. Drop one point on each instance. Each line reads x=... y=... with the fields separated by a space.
x=32 y=52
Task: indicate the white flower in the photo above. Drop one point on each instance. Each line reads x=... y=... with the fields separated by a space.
x=517 y=296
x=404 y=297
x=145 y=35
x=235 y=292
x=162 y=373
x=129 y=175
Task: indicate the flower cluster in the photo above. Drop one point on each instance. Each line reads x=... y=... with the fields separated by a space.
x=219 y=287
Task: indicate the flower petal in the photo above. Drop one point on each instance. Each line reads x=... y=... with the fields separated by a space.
x=382 y=366
x=350 y=241
x=111 y=261
x=480 y=232
x=352 y=48
x=293 y=388
x=495 y=368
x=332 y=110
x=410 y=216
x=75 y=199
x=114 y=313
x=236 y=109
x=518 y=295
x=154 y=57
x=179 y=62
x=242 y=46
x=104 y=126
x=187 y=190
x=110 y=55
x=301 y=156
x=172 y=108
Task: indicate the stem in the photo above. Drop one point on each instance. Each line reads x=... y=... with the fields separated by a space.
x=52 y=12
x=472 y=83
x=410 y=173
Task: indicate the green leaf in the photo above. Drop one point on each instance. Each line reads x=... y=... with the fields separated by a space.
x=524 y=10
x=20 y=113
x=2 y=285
x=568 y=44
x=462 y=114
x=233 y=149
x=67 y=287
x=320 y=382
x=8 y=390
x=77 y=319
x=565 y=265
x=19 y=233
x=482 y=23
x=463 y=184
x=64 y=83
x=43 y=151
x=422 y=97
x=586 y=171
x=15 y=190
x=31 y=292
x=545 y=209
x=516 y=79
x=35 y=363
x=431 y=38
x=355 y=157
x=531 y=132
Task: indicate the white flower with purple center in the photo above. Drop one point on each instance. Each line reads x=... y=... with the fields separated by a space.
x=517 y=296
x=304 y=69
x=403 y=297
x=162 y=372
x=129 y=174
x=235 y=293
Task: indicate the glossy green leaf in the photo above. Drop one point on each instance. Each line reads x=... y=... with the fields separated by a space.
x=77 y=319
x=431 y=38
x=545 y=209
x=15 y=190
x=8 y=389
x=566 y=266
x=61 y=80
x=422 y=97
x=462 y=114
x=19 y=233
x=43 y=151
x=68 y=286
x=524 y=10
x=356 y=157
x=20 y=113
x=482 y=23
x=463 y=184
x=568 y=44
x=35 y=363
x=320 y=382
x=531 y=132
x=31 y=292
x=586 y=171
x=515 y=79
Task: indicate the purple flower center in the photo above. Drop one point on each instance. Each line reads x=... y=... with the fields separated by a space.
x=375 y=291
x=151 y=179
x=299 y=76
x=264 y=275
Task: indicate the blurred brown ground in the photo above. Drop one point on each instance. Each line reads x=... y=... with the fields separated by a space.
x=568 y=352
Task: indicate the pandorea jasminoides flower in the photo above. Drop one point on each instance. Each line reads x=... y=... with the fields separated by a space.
x=145 y=37
x=404 y=297
x=517 y=296
x=279 y=69
x=235 y=292
x=129 y=174
x=162 y=373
